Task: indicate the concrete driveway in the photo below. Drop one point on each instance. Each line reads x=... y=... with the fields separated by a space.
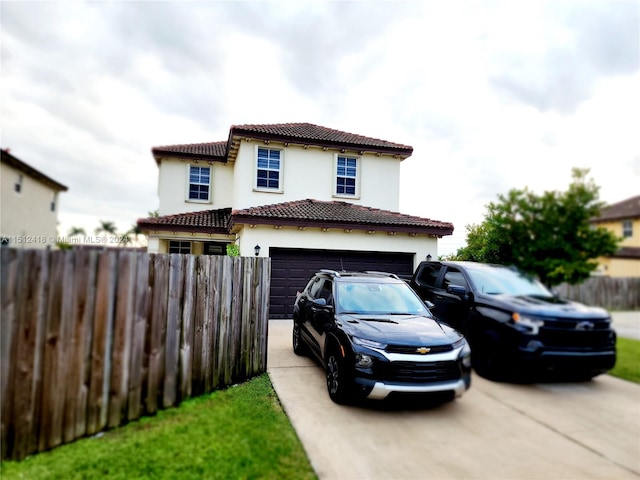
x=495 y=431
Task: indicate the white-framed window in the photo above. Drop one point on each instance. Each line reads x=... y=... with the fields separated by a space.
x=269 y=169
x=18 y=185
x=179 y=246
x=199 y=187
x=347 y=181
x=627 y=229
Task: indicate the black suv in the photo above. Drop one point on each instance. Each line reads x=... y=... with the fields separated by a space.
x=516 y=327
x=374 y=336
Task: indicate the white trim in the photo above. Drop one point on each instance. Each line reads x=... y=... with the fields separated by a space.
x=280 y=188
x=188 y=184
x=358 y=160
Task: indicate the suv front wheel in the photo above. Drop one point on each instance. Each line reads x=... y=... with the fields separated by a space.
x=338 y=381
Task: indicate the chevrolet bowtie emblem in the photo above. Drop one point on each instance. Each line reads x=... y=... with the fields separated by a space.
x=423 y=350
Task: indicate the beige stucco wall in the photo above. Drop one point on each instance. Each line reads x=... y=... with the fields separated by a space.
x=334 y=239
x=173 y=187
x=621 y=267
x=312 y=238
x=306 y=173
x=310 y=173
x=26 y=218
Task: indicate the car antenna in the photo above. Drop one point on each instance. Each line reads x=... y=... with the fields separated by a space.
x=341 y=265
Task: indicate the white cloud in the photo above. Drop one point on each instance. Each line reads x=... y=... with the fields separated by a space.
x=492 y=95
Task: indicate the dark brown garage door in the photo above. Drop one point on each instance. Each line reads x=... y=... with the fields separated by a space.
x=291 y=269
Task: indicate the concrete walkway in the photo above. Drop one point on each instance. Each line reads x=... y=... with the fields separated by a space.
x=627 y=324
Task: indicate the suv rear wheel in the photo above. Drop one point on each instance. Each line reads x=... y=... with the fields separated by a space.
x=299 y=348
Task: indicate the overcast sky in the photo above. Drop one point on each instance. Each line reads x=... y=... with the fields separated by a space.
x=492 y=95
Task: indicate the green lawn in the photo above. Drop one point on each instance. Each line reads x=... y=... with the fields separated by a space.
x=628 y=360
x=238 y=433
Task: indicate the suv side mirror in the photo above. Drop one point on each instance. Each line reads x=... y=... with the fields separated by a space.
x=430 y=305
x=458 y=290
x=322 y=303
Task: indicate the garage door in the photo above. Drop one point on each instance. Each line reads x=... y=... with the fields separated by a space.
x=292 y=268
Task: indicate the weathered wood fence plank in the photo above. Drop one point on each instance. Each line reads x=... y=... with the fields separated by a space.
x=93 y=339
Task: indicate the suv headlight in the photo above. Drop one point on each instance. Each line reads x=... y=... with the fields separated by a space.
x=529 y=325
x=368 y=343
x=465 y=353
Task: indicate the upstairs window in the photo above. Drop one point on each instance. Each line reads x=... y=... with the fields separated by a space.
x=627 y=229
x=18 y=185
x=199 y=183
x=346 y=176
x=269 y=167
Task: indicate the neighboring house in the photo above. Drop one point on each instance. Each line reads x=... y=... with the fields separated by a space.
x=29 y=208
x=307 y=196
x=623 y=219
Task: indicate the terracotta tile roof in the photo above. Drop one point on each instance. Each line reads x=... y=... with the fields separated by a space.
x=318 y=135
x=338 y=215
x=299 y=133
x=302 y=213
x=211 y=221
x=629 y=208
x=216 y=151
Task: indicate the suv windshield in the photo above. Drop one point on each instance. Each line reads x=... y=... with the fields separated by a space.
x=378 y=298
x=497 y=280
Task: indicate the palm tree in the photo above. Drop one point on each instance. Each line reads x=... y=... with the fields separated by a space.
x=75 y=231
x=135 y=232
x=106 y=227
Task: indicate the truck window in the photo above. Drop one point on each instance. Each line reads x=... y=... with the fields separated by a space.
x=454 y=277
x=428 y=275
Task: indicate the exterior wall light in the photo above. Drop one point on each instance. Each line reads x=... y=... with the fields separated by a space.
x=257 y=250
x=429 y=257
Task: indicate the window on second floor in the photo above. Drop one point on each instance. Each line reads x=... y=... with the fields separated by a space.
x=18 y=185
x=627 y=229
x=177 y=246
x=199 y=183
x=269 y=169
x=346 y=176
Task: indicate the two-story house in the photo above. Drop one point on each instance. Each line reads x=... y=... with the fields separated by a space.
x=623 y=219
x=29 y=208
x=306 y=196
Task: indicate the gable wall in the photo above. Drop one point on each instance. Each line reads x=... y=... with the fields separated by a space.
x=27 y=219
x=309 y=173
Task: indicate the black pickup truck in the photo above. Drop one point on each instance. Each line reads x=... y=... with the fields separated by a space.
x=516 y=327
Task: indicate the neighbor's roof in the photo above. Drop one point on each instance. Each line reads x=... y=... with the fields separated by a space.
x=304 y=134
x=302 y=213
x=18 y=164
x=629 y=208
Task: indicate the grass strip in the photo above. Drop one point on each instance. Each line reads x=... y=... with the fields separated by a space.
x=627 y=360
x=238 y=433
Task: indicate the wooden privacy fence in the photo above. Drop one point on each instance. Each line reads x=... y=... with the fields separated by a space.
x=94 y=339
x=608 y=292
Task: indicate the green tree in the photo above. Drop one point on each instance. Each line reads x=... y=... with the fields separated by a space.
x=74 y=231
x=106 y=227
x=548 y=235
